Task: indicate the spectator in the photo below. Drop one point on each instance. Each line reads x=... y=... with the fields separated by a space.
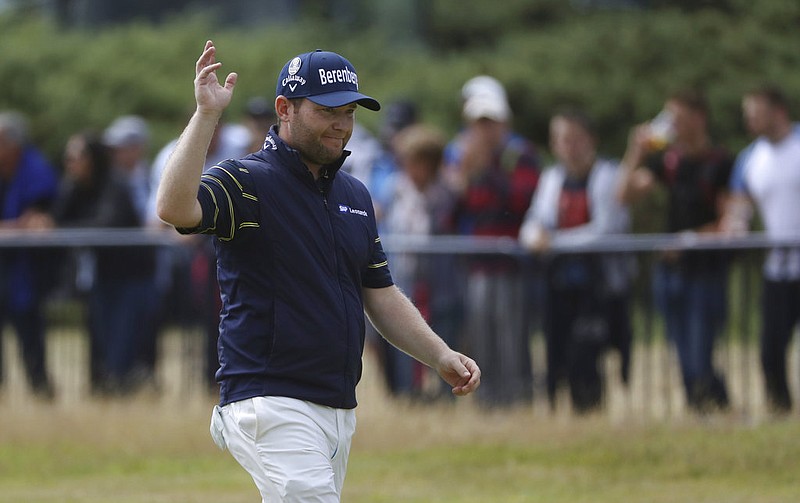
x=690 y=287
x=419 y=204
x=27 y=187
x=586 y=302
x=767 y=174
x=494 y=173
x=131 y=351
x=117 y=280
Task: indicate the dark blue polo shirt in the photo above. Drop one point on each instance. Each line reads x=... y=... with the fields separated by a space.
x=292 y=257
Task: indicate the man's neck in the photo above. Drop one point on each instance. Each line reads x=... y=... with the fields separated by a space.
x=315 y=169
x=579 y=171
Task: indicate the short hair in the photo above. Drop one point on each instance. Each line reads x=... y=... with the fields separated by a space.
x=692 y=98
x=296 y=102
x=14 y=127
x=420 y=141
x=772 y=94
x=578 y=117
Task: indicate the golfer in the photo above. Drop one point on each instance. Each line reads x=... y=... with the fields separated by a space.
x=299 y=261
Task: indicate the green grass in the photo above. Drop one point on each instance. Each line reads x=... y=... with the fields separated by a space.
x=644 y=448
x=652 y=465
x=153 y=451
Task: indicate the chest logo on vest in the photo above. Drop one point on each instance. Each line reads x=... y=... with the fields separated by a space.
x=343 y=208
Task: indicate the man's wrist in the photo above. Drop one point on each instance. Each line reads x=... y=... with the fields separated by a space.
x=208 y=113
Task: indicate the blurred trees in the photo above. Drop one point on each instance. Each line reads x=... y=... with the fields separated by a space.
x=618 y=63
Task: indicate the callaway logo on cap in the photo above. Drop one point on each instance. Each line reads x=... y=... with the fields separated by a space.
x=323 y=77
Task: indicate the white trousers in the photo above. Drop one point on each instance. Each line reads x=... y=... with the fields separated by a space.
x=296 y=451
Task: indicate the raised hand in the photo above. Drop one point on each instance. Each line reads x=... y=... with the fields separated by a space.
x=211 y=96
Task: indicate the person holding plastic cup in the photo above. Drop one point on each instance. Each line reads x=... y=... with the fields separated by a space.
x=689 y=286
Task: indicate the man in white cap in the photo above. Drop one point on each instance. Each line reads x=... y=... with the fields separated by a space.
x=495 y=172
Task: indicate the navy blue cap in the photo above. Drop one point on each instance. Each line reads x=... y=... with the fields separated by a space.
x=323 y=77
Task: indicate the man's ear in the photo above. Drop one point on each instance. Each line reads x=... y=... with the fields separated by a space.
x=283 y=106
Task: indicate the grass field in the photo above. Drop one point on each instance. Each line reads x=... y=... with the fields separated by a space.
x=157 y=449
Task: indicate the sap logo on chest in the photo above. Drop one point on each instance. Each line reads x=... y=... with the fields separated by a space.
x=343 y=208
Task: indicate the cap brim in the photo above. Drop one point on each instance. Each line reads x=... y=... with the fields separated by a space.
x=342 y=98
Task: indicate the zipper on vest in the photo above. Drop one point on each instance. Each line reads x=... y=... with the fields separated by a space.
x=323 y=190
x=323 y=183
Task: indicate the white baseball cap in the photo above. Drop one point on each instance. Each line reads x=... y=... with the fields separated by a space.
x=487 y=106
x=482 y=84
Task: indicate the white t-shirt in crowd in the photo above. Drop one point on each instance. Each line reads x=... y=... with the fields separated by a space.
x=770 y=174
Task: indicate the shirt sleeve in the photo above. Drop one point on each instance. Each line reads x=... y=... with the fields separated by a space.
x=227 y=200
x=738 y=184
x=377 y=274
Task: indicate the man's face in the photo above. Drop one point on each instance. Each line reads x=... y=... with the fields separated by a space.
x=572 y=145
x=758 y=115
x=420 y=170
x=127 y=157
x=319 y=133
x=490 y=133
x=686 y=122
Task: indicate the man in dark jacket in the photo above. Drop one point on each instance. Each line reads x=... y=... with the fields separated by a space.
x=299 y=260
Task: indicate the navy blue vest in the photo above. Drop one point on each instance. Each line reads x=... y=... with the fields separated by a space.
x=292 y=257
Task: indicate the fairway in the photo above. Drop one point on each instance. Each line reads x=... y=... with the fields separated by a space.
x=157 y=449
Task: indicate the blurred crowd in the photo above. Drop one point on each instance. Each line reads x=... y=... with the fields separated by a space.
x=488 y=180
x=106 y=179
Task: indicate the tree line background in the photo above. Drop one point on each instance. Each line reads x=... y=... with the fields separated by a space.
x=616 y=59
